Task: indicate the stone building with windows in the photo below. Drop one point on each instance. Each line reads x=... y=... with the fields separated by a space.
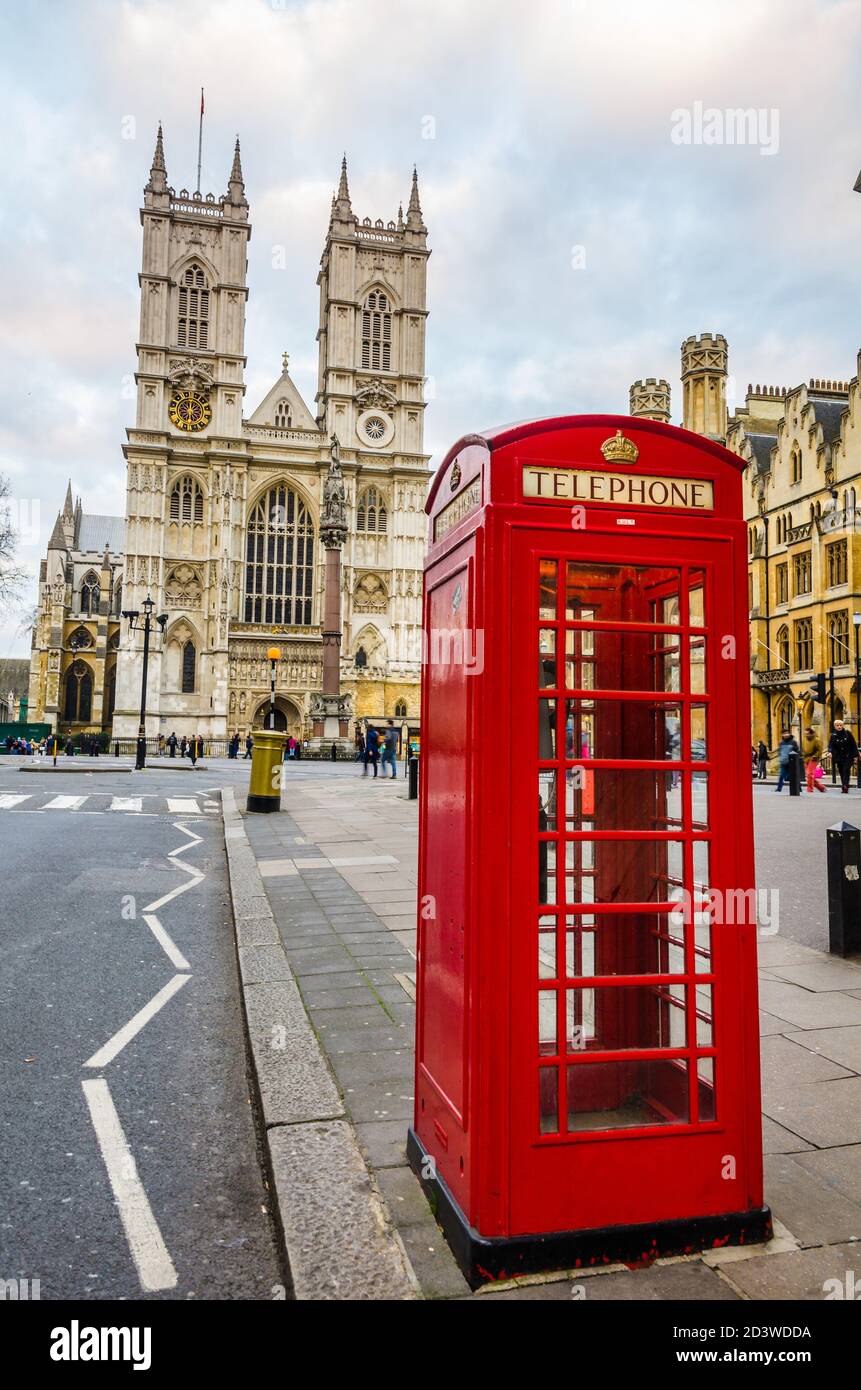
x=223 y=508
x=802 y=452
x=76 y=634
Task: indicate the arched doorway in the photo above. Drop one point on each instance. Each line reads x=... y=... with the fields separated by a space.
x=288 y=720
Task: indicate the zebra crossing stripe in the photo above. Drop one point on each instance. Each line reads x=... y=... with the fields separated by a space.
x=125 y=803
x=7 y=800
x=65 y=803
x=183 y=804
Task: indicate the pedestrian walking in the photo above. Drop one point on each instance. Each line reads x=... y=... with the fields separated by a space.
x=195 y=748
x=183 y=747
x=762 y=759
x=811 y=748
x=844 y=751
x=786 y=750
x=171 y=743
x=249 y=744
x=360 y=746
x=161 y=744
x=372 y=750
x=390 y=750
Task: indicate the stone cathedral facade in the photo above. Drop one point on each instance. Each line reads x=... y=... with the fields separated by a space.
x=223 y=505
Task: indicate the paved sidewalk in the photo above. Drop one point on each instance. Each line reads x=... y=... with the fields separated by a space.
x=339 y=870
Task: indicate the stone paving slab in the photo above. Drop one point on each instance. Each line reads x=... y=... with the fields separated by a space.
x=806 y=1009
x=814 y=1212
x=828 y=1113
x=841 y=1045
x=341 y=1243
x=799 y=1275
x=821 y=975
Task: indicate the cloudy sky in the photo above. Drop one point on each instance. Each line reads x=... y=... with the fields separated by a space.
x=577 y=239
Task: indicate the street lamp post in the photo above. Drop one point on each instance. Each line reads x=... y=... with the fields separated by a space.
x=274 y=654
x=132 y=614
x=856 y=620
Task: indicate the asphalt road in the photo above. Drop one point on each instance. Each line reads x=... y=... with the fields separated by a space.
x=142 y=1168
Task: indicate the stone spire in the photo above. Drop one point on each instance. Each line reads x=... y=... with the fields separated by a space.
x=414 y=210
x=400 y=217
x=236 y=184
x=158 y=172
x=68 y=505
x=58 y=535
x=342 y=208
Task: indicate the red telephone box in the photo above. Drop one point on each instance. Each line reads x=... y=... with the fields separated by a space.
x=587 y=1050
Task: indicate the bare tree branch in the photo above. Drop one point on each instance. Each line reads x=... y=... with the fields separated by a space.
x=12 y=576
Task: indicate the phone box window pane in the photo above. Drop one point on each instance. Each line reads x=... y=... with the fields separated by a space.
x=621 y=799
x=700 y=800
x=546 y=799
x=546 y=1021
x=696 y=599
x=621 y=593
x=547 y=658
x=698 y=666
x=705 y=1033
x=627 y=1094
x=622 y=660
x=546 y=871
x=701 y=866
x=699 y=740
x=706 y=1088
x=546 y=730
x=619 y=871
x=623 y=730
x=624 y=943
x=547 y=572
x=618 y=1018
x=546 y=948
x=548 y=1100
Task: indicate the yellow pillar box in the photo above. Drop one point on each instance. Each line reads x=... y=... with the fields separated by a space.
x=267 y=760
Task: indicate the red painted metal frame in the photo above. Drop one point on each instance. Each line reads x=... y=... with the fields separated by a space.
x=477 y=1055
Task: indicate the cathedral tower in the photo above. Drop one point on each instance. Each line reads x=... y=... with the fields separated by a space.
x=190 y=386
x=704 y=379
x=371 y=397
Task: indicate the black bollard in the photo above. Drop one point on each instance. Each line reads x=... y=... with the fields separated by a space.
x=843 y=843
x=794 y=774
x=413 y=779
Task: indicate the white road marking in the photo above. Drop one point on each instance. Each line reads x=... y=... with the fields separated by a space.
x=8 y=800
x=64 y=803
x=172 y=952
x=182 y=804
x=114 y=1046
x=152 y=1260
x=197 y=877
x=125 y=803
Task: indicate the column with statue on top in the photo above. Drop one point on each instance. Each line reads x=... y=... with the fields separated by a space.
x=330 y=710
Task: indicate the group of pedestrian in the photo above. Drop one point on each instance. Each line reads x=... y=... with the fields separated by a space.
x=372 y=744
x=841 y=746
x=192 y=748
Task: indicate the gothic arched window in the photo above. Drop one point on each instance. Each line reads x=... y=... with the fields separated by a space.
x=118 y=597
x=279 y=560
x=401 y=709
x=361 y=657
x=189 y=657
x=78 y=704
x=91 y=594
x=282 y=415
x=838 y=638
x=186 y=500
x=371 y=512
x=783 y=647
x=192 y=329
x=377 y=332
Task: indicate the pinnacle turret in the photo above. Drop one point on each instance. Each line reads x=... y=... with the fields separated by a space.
x=342 y=208
x=158 y=172
x=414 y=209
x=236 y=183
x=68 y=505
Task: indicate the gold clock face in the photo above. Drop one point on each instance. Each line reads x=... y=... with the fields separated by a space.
x=189 y=411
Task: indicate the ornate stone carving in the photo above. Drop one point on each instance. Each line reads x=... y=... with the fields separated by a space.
x=375 y=395
x=369 y=594
x=333 y=518
x=183 y=588
x=190 y=374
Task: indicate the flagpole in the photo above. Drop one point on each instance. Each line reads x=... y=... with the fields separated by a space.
x=200 y=141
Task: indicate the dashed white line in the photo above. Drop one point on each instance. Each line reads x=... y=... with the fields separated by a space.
x=182 y=804
x=7 y=800
x=125 y=803
x=114 y=1046
x=64 y=803
x=153 y=1263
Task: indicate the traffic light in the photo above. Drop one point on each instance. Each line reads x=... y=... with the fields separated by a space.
x=817 y=688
